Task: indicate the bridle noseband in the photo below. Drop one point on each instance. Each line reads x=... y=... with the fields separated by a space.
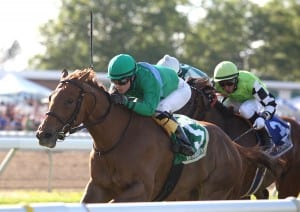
x=67 y=128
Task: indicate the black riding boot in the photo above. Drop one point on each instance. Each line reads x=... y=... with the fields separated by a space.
x=169 y=123
x=266 y=140
x=185 y=147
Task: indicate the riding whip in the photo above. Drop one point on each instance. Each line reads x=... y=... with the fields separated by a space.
x=91 y=40
x=245 y=133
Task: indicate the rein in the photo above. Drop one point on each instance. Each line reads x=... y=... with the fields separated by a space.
x=210 y=103
x=101 y=153
x=67 y=128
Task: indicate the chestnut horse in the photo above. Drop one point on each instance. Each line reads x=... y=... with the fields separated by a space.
x=131 y=156
x=203 y=106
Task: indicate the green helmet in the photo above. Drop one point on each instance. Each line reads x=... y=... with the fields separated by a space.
x=120 y=66
x=225 y=70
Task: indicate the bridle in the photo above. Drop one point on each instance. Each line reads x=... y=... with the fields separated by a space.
x=209 y=98
x=67 y=128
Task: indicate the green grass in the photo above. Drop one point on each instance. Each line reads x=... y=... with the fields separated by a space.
x=36 y=196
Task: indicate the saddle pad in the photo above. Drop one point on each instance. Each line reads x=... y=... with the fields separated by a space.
x=197 y=134
x=278 y=129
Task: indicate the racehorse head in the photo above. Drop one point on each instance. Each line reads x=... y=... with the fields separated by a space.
x=202 y=100
x=69 y=106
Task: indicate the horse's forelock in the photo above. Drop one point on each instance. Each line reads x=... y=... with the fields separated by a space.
x=87 y=75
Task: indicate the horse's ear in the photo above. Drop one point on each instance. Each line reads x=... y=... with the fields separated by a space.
x=64 y=73
x=191 y=81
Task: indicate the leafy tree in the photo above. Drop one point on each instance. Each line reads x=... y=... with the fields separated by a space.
x=145 y=29
x=223 y=34
x=278 y=24
x=149 y=29
x=230 y=28
x=11 y=52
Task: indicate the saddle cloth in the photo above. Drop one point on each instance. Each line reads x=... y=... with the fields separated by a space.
x=278 y=129
x=198 y=136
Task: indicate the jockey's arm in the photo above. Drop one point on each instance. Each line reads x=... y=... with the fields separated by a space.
x=262 y=95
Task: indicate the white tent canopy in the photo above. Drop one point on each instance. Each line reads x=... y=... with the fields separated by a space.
x=13 y=84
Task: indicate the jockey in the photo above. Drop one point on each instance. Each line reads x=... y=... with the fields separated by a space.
x=150 y=90
x=183 y=70
x=246 y=93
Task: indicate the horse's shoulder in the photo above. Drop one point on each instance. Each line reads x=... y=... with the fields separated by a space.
x=238 y=117
x=208 y=125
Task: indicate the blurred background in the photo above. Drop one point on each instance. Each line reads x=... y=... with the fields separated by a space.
x=40 y=38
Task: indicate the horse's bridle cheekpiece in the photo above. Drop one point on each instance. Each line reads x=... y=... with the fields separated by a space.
x=67 y=128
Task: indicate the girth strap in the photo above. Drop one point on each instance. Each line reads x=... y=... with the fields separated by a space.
x=257 y=181
x=171 y=182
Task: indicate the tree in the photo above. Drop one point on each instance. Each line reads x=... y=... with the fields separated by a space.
x=223 y=34
x=145 y=29
x=11 y=52
x=278 y=24
x=230 y=28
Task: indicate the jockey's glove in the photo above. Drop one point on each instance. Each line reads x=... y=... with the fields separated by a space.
x=266 y=115
x=118 y=98
x=259 y=123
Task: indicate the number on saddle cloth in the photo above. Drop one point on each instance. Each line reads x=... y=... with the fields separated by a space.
x=278 y=129
x=197 y=134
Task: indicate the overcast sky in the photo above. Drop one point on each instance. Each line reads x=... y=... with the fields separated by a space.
x=19 y=20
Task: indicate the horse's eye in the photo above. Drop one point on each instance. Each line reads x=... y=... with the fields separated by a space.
x=70 y=101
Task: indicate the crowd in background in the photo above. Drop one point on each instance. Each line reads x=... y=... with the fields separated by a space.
x=24 y=115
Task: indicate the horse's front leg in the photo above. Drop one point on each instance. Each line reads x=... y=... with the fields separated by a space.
x=95 y=194
x=135 y=192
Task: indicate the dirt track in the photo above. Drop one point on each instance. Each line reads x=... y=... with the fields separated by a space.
x=30 y=170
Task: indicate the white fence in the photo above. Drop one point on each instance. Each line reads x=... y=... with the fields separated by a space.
x=20 y=140
x=286 y=205
x=13 y=141
x=28 y=141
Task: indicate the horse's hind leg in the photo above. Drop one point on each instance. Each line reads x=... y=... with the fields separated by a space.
x=94 y=194
x=285 y=187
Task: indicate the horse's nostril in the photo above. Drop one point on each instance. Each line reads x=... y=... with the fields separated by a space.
x=48 y=135
x=44 y=135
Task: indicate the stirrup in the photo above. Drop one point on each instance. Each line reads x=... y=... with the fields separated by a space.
x=182 y=148
x=278 y=151
x=267 y=148
x=186 y=150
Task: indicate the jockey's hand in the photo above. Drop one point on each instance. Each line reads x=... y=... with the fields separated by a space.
x=118 y=98
x=259 y=123
x=266 y=115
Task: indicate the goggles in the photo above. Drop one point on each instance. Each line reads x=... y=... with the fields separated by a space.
x=122 y=81
x=226 y=83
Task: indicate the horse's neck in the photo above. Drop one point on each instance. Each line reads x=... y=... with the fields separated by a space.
x=214 y=116
x=106 y=122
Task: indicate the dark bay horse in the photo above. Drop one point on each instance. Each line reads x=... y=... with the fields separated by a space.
x=203 y=106
x=131 y=156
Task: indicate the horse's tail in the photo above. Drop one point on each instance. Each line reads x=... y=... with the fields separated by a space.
x=255 y=155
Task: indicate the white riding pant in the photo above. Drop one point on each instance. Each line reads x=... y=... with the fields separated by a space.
x=246 y=109
x=177 y=99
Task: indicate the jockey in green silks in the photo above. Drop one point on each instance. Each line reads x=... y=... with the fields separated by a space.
x=150 y=90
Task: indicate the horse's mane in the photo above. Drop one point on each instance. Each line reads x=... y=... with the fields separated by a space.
x=87 y=75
